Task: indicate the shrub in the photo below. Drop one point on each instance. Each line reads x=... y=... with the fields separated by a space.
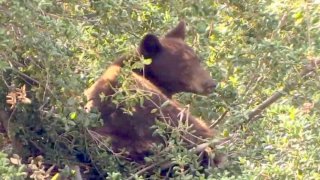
x=254 y=49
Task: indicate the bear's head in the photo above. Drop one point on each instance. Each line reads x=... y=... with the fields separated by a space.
x=175 y=67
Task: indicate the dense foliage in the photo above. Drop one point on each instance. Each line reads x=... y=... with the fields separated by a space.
x=253 y=49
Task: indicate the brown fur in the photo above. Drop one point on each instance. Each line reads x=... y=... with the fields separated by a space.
x=174 y=68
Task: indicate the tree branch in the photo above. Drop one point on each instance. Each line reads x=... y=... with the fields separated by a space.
x=312 y=66
x=219 y=119
x=256 y=111
x=146 y=169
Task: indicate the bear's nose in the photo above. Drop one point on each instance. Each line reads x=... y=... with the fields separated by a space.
x=209 y=86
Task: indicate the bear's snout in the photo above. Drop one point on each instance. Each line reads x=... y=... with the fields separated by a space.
x=209 y=86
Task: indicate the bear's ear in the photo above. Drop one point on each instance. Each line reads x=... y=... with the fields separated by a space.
x=150 y=46
x=178 y=32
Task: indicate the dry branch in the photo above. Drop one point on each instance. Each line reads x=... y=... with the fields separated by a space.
x=219 y=119
x=257 y=111
x=147 y=169
x=311 y=67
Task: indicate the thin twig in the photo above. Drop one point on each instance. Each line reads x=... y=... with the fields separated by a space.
x=26 y=76
x=4 y=80
x=219 y=119
x=31 y=79
x=146 y=169
x=8 y=123
x=167 y=163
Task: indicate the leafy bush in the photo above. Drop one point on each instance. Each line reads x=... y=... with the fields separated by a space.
x=254 y=50
x=10 y=171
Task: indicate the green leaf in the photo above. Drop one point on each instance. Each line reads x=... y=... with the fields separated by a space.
x=73 y=115
x=154 y=111
x=166 y=103
x=147 y=61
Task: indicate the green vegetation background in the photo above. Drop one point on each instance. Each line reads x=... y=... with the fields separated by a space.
x=252 y=48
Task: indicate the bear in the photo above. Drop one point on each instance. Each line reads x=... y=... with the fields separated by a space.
x=174 y=68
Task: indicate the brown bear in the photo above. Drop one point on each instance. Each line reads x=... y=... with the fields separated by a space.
x=174 y=68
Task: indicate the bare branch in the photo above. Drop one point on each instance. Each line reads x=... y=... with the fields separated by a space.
x=147 y=168
x=256 y=111
x=219 y=119
x=312 y=66
x=167 y=163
